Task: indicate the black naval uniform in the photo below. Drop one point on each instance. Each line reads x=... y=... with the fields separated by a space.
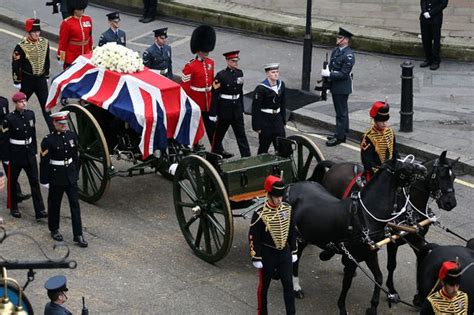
x=431 y=28
x=227 y=104
x=342 y=61
x=110 y=36
x=19 y=146
x=377 y=147
x=272 y=240
x=59 y=168
x=30 y=68
x=159 y=58
x=268 y=114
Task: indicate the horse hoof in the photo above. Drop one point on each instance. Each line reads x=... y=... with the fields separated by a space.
x=370 y=311
x=393 y=297
x=417 y=300
x=325 y=255
x=299 y=294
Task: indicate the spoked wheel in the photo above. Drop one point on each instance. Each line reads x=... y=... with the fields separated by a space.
x=202 y=208
x=93 y=153
x=306 y=156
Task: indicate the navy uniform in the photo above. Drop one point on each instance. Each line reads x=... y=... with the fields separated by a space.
x=60 y=173
x=431 y=19
x=30 y=67
x=340 y=77
x=158 y=57
x=19 y=148
x=268 y=111
x=273 y=247
x=56 y=287
x=113 y=34
x=227 y=105
x=378 y=144
x=440 y=302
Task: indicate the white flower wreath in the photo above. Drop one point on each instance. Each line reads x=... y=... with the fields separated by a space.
x=117 y=58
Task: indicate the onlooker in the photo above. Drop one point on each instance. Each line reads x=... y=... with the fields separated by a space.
x=431 y=19
x=149 y=11
x=113 y=34
x=158 y=55
x=57 y=289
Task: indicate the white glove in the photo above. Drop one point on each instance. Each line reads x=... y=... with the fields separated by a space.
x=17 y=86
x=325 y=72
x=427 y=15
x=258 y=264
x=45 y=185
x=294 y=258
x=213 y=118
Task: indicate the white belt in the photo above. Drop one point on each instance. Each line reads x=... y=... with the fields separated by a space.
x=164 y=71
x=203 y=89
x=21 y=142
x=230 y=97
x=270 y=111
x=61 y=163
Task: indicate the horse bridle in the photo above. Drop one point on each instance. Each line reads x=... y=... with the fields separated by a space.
x=434 y=181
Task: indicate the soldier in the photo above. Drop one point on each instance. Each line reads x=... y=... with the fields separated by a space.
x=449 y=299
x=75 y=34
x=4 y=110
x=269 y=109
x=272 y=239
x=19 y=149
x=30 y=66
x=431 y=19
x=113 y=34
x=57 y=288
x=198 y=74
x=158 y=55
x=340 y=76
x=228 y=105
x=378 y=142
x=59 y=172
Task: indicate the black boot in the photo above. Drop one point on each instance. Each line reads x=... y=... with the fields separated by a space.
x=15 y=213
x=57 y=236
x=80 y=241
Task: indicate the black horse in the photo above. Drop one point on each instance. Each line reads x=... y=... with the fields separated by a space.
x=437 y=185
x=434 y=256
x=351 y=224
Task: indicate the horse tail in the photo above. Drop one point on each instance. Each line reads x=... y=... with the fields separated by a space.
x=320 y=171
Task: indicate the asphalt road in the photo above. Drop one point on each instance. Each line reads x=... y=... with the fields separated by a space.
x=139 y=263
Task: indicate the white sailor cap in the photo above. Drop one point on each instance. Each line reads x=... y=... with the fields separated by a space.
x=60 y=117
x=271 y=66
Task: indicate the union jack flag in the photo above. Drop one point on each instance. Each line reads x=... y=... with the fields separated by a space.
x=154 y=106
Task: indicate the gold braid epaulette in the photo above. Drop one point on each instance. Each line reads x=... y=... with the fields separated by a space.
x=277 y=222
x=443 y=305
x=383 y=142
x=35 y=52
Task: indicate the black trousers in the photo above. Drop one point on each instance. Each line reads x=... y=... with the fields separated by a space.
x=18 y=188
x=342 y=115
x=210 y=127
x=31 y=170
x=268 y=136
x=149 y=8
x=280 y=261
x=55 y=197
x=431 y=38
x=39 y=86
x=238 y=127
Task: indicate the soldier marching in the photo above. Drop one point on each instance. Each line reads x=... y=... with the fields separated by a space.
x=158 y=55
x=114 y=34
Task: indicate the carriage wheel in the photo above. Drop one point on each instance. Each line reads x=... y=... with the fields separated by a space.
x=306 y=156
x=94 y=155
x=202 y=208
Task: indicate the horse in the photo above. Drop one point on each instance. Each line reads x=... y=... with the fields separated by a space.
x=340 y=180
x=351 y=225
x=434 y=256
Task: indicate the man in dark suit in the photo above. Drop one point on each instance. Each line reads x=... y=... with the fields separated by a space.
x=158 y=55
x=431 y=19
x=113 y=34
x=339 y=73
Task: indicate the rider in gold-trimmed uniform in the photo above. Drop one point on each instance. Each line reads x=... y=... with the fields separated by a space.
x=272 y=240
x=378 y=142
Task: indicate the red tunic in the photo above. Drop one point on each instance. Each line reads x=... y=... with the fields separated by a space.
x=197 y=79
x=75 y=38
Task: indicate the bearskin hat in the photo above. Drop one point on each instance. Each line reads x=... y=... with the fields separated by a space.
x=203 y=39
x=77 y=5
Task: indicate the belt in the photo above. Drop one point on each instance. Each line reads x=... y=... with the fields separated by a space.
x=230 y=97
x=81 y=43
x=203 y=89
x=61 y=163
x=270 y=111
x=21 y=142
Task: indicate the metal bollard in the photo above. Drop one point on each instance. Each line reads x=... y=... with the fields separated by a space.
x=406 y=104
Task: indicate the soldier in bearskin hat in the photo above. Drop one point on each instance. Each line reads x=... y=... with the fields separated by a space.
x=75 y=34
x=378 y=142
x=273 y=247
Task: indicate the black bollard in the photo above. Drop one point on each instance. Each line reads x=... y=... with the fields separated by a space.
x=406 y=106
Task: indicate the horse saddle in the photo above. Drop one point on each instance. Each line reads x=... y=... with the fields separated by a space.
x=357 y=182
